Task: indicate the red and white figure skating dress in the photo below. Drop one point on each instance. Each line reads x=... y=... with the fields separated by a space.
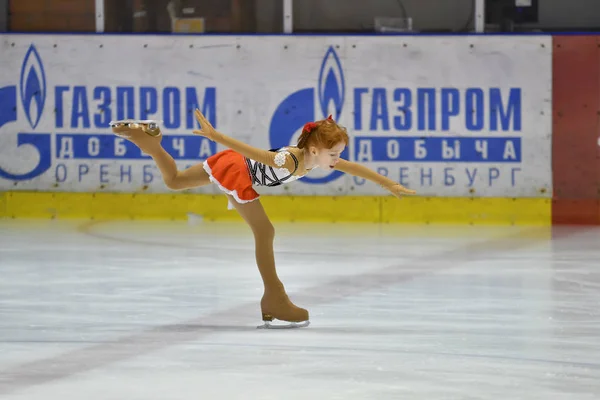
x=236 y=175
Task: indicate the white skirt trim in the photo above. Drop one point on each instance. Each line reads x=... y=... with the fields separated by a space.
x=224 y=189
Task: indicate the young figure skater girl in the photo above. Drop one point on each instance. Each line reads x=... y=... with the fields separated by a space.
x=236 y=170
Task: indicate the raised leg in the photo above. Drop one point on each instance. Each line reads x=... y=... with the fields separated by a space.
x=147 y=137
x=192 y=177
x=275 y=302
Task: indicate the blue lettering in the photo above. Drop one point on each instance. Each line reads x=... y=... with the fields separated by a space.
x=426 y=100
x=403 y=122
x=191 y=103
x=171 y=107
x=104 y=114
x=125 y=107
x=423 y=176
x=103 y=173
x=83 y=170
x=448 y=177
x=58 y=104
x=209 y=106
x=474 y=109
x=514 y=170
x=450 y=106
x=358 y=92
x=126 y=173
x=60 y=173
x=148 y=102
x=471 y=177
x=379 y=110
x=493 y=175
x=80 y=112
x=403 y=176
x=512 y=111
x=148 y=177
x=124 y=102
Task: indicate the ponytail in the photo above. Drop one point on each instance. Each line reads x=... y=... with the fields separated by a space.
x=308 y=128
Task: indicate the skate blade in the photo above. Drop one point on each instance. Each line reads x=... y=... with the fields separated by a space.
x=129 y=122
x=283 y=325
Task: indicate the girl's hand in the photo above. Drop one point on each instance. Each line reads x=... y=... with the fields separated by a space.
x=207 y=129
x=399 y=190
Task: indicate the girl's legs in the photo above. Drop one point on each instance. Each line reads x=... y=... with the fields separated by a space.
x=192 y=177
x=275 y=302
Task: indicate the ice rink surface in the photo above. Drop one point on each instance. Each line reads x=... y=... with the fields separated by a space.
x=168 y=310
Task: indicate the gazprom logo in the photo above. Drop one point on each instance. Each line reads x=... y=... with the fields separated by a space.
x=33 y=86
x=331 y=85
x=301 y=107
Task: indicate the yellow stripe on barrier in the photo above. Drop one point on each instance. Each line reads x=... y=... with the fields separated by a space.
x=374 y=209
x=461 y=210
x=3 y=196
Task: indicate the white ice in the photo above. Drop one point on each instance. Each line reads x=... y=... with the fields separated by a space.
x=168 y=310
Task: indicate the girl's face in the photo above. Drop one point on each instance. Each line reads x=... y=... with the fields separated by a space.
x=328 y=158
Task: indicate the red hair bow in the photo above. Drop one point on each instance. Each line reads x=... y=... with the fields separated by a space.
x=309 y=126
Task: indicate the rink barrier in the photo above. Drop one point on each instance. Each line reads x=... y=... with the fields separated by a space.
x=575 y=173
x=576 y=130
x=371 y=209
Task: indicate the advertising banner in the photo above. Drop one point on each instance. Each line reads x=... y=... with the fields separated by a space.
x=452 y=116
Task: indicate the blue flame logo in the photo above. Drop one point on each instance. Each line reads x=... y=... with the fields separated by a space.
x=331 y=85
x=33 y=86
x=33 y=96
x=301 y=106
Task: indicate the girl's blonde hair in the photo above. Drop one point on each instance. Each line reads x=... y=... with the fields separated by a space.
x=323 y=134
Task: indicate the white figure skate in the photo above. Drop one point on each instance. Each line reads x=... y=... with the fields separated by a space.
x=124 y=127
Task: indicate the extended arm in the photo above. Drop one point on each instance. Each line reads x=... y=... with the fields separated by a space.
x=366 y=173
x=270 y=158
